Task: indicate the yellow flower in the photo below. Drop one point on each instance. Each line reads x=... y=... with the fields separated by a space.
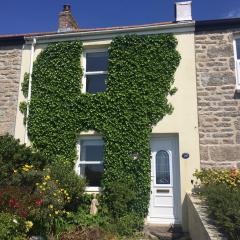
x=56 y=212
x=50 y=206
x=15 y=171
x=28 y=225
x=27 y=167
x=47 y=177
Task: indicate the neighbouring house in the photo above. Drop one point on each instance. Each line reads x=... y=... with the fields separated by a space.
x=206 y=105
x=217 y=44
x=10 y=70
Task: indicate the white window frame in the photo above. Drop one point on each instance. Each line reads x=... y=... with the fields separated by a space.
x=85 y=73
x=99 y=141
x=237 y=64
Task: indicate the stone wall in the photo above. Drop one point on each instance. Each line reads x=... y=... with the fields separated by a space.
x=218 y=102
x=10 y=67
x=200 y=226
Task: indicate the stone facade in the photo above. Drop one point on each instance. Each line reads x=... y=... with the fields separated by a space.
x=10 y=67
x=218 y=102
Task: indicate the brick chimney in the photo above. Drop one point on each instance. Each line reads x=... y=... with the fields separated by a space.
x=66 y=22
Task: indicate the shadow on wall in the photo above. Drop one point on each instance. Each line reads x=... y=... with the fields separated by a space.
x=236 y=95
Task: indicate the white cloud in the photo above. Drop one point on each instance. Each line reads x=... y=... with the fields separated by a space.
x=233 y=13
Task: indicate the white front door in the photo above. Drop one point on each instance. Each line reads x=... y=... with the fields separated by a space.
x=165 y=181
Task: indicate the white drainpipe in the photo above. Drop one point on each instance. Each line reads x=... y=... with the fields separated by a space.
x=29 y=87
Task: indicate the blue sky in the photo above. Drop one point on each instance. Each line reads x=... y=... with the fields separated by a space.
x=25 y=16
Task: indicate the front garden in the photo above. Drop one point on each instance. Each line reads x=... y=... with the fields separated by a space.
x=38 y=198
x=220 y=191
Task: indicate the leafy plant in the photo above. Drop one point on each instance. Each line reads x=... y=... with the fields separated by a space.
x=127 y=225
x=223 y=204
x=62 y=171
x=213 y=176
x=120 y=199
x=14 y=156
x=12 y=227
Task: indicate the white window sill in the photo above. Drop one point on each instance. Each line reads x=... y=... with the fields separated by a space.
x=93 y=189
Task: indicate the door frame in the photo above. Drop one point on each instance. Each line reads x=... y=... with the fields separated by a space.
x=175 y=178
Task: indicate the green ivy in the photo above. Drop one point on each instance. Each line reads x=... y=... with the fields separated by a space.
x=25 y=85
x=140 y=78
x=23 y=105
x=52 y=123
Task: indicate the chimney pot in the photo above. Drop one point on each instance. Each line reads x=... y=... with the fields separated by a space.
x=183 y=11
x=66 y=8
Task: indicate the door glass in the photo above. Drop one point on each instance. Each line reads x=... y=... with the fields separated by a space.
x=162 y=168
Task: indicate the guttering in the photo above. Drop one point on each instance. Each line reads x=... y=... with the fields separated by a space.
x=34 y=41
x=180 y=27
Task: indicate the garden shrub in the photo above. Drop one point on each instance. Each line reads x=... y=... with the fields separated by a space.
x=62 y=171
x=120 y=197
x=214 y=176
x=223 y=204
x=17 y=200
x=12 y=227
x=35 y=191
x=14 y=155
x=51 y=200
x=221 y=193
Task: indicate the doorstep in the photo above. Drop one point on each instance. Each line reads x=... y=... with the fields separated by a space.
x=165 y=232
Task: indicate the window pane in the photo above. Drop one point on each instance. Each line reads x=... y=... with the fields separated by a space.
x=96 y=83
x=238 y=48
x=97 y=61
x=93 y=174
x=91 y=153
x=162 y=168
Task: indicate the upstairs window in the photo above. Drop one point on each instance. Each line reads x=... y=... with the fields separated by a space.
x=237 y=62
x=95 y=68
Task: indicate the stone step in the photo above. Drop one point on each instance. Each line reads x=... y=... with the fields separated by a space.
x=165 y=232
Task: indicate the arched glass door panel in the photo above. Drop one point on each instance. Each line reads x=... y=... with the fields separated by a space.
x=162 y=167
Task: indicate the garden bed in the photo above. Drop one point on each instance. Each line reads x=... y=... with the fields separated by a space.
x=46 y=198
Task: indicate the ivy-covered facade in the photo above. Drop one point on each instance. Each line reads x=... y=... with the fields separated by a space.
x=120 y=105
